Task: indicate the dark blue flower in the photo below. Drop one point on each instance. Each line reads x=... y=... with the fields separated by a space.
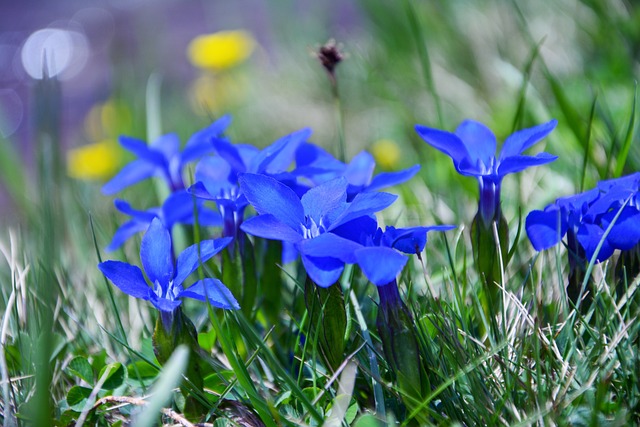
x=307 y=222
x=546 y=228
x=380 y=258
x=585 y=218
x=166 y=290
x=163 y=157
x=473 y=150
x=178 y=208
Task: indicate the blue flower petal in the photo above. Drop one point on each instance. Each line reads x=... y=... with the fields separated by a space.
x=131 y=174
x=194 y=152
x=198 y=190
x=381 y=265
x=519 y=141
x=316 y=164
x=206 y=135
x=212 y=290
x=519 y=163
x=590 y=236
x=545 y=228
x=269 y=196
x=125 y=231
x=146 y=216
x=141 y=149
x=155 y=253
x=178 y=208
x=479 y=141
x=323 y=271
x=330 y=245
x=194 y=255
x=278 y=156
x=164 y=304
x=268 y=226
x=412 y=240
x=360 y=170
x=289 y=252
x=324 y=198
x=168 y=145
x=230 y=153
x=358 y=229
x=364 y=204
x=446 y=142
x=625 y=233
x=389 y=179
x=128 y=278
x=206 y=217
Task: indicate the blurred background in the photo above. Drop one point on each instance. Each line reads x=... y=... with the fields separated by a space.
x=510 y=64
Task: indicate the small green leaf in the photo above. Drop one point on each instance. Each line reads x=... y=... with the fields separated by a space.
x=207 y=340
x=98 y=360
x=81 y=368
x=67 y=418
x=77 y=397
x=351 y=413
x=115 y=377
x=141 y=370
x=367 y=420
x=284 y=398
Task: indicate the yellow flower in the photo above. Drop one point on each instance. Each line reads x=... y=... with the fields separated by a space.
x=108 y=120
x=98 y=161
x=387 y=153
x=217 y=93
x=224 y=49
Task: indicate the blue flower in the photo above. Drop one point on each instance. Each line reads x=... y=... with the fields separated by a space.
x=178 y=208
x=473 y=150
x=380 y=258
x=166 y=290
x=307 y=222
x=163 y=157
x=217 y=177
x=585 y=217
x=546 y=228
x=315 y=165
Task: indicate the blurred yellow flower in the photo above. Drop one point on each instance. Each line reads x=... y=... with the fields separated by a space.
x=108 y=120
x=387 y=153
x=224 y=49
x=98 y=161
x=217 y=93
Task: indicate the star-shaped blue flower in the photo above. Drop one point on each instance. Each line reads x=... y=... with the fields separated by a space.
x=166 y=290
x=381 y=257
x=473 y=150
x=307 y=222
x=163 y=157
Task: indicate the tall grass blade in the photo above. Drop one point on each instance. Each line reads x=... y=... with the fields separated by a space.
x=423 y=55
x=628 y=139
x=587 y=145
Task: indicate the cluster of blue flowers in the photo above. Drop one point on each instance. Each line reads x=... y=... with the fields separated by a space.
x=319 y=207
x=323 y=211
x=596 y=222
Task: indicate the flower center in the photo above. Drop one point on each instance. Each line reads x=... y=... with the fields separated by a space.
x=311 y=229
x=170 y=293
